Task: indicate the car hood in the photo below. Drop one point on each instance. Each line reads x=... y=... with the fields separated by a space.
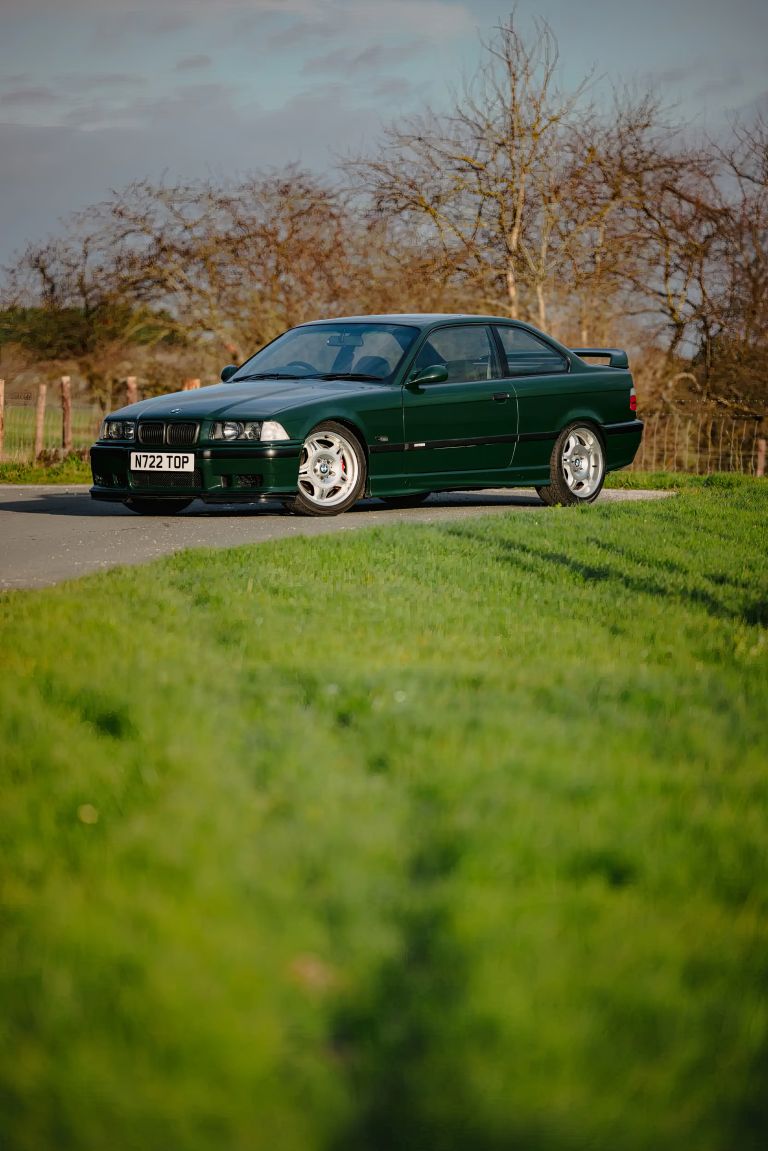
x=250 y=399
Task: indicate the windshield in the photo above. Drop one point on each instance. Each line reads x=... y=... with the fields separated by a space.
x=367 y=351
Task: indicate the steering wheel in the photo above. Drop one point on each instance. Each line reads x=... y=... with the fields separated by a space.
x=301 y=364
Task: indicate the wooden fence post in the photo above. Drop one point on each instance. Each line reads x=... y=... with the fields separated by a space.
x=66 y=415
x=2 y=416
x=131 y=390
x=42 y=391
x=190 y=385
x=760 y=469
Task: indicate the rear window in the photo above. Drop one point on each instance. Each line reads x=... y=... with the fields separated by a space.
x=528 y=355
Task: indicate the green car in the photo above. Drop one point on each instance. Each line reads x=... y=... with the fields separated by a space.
x=389 y=406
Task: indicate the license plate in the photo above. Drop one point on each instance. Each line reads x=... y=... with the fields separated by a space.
x=162 y=462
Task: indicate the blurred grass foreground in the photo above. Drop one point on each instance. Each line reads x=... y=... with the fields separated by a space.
x=429 y=838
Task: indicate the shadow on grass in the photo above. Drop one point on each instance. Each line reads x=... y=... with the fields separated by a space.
x=720 y=579
x=522 y=555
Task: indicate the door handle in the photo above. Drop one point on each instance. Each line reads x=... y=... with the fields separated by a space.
x=501 y=397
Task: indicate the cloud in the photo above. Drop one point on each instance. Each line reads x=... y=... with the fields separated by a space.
x=162 y=23
x=393 y=89
x=290 y=24
x=194 y=7
x=99 y=80
x=191 y=63
x=296 y=35
x=174 y=9
x=23 y=97
x=112 y=30
x=367 y=61
x=344 y=62
x=49 y=172
x=675 y=75
x=431 y=16
x=436 y=20
x=721 y=82
x=182 y=107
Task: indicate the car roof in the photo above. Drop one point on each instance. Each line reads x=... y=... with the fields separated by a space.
x=422 y=319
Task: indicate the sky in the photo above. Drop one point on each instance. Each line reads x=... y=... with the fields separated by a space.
x=96 y=93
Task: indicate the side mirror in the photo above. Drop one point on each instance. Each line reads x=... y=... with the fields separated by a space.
x=227 y=373
x=435 y=374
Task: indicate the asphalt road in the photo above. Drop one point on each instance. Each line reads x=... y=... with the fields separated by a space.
x=52 y=533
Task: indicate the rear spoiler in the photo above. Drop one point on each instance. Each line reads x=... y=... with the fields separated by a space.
x=616 y=358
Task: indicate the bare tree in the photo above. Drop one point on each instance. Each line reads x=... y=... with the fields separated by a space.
x=746 y=235
x=236 y=265
x=483 y=182
x=64 y=305
x=734 y=354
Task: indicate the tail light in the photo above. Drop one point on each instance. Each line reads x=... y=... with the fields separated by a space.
x=632 y=399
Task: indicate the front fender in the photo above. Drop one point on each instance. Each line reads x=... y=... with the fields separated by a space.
x=376 y=417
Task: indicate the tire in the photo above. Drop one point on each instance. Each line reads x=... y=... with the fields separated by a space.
x=149 y=507
x=576 y=467
x=412 y=500
x=332 y=471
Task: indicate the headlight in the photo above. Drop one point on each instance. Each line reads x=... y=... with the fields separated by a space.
x=248 y=430
x=118 y=430
x=235 y=430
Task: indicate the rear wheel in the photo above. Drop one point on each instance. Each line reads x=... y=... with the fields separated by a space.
x=331 y=471
x=148 y=507
x=576 y=467
x=412 y=500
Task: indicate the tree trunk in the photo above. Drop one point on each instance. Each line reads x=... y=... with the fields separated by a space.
x=542 y=306
x=512 y=293
x=66 y=415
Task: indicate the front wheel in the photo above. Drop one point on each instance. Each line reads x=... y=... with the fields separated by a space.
x=576 y=467
x=148 y=507
x=331 y=471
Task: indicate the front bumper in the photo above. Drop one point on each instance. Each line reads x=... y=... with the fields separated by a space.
x=226 y=474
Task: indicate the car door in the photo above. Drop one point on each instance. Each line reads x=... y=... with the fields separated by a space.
x=466 y=425
x=538 y=375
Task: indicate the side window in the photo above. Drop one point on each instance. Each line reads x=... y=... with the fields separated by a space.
x=528 y=355
x=467 y=351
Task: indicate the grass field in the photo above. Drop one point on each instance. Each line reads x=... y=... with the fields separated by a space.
x=429 y=838
x=71 y=470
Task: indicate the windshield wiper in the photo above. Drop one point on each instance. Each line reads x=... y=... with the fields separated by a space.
x=308 y=376
x=269 y=376
x=350 y=376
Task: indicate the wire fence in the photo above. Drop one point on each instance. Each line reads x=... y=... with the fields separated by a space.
x=700 y=445
x=44 y=419
x=20 y=420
